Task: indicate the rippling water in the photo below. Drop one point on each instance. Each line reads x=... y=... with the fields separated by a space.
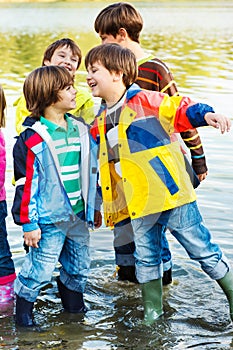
x=195 y=40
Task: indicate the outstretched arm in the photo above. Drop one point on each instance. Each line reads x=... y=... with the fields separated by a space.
x=218 y=121
x=192 y=140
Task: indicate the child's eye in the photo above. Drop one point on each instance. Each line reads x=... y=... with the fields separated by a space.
x=74 y=60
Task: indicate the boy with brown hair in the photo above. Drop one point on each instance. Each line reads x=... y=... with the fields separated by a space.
x=121 y=23
x=55 y=170
x=64 y=53
x=143 y=174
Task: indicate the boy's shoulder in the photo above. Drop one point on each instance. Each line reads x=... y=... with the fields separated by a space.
x=152 y=62
x=79 y=121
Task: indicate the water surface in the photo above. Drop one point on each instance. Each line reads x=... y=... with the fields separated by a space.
x=195 y=40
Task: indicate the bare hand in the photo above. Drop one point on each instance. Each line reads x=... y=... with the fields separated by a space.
x=97 y=219
x=202 y=177
x=218 y=121
x=32 y=238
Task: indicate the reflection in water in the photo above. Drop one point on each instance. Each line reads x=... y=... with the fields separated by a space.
x=196 y=43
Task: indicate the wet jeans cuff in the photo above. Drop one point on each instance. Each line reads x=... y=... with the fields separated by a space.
x=146 y=274
x=167 y=265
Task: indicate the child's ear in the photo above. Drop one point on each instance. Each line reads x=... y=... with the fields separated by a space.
x=47 y=63
x=118 y=76
x=123 y=33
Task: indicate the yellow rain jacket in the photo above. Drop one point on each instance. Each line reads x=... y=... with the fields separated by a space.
x=154 y=178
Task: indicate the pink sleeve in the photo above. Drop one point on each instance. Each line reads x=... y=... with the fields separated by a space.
x=2 y=161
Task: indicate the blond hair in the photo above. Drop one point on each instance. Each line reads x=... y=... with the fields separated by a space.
x=41 y=87
x=115 y=59
x=119 y=15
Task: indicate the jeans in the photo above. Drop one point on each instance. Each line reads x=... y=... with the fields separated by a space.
x=124 y=245
x=6 y=262
x=186 y=225
x=65 y=242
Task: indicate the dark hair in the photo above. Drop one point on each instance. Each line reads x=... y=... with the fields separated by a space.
x=119 y=15
x=65 y=42
x=115 y=59
x=41 y=87
x=2 y=108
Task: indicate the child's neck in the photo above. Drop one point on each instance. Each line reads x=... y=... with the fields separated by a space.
x=136 y=49
x=55 y=116
x=115 y=98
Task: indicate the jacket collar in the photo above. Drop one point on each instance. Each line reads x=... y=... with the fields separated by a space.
x=29 y=121
x=133 y=90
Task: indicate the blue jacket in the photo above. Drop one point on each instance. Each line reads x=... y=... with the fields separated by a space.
x=40 y=197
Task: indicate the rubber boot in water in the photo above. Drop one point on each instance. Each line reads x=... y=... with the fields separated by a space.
x=152 y=296
x=127 y=273
x=226 y=283
x=167 y=277
x=23 y=313
x=72 y=301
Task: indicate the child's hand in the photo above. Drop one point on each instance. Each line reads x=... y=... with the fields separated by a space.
x=32 y=238
x=97 y=219
x=202 y=177
x=218 y=121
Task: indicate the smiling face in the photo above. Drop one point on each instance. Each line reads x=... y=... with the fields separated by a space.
x=64 y=57
x=104 y=83
x=66 y=99
x=49 y=86
x=111 y=70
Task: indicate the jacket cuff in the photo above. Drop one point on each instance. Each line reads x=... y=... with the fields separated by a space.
x=30 y=227
x=196 y=113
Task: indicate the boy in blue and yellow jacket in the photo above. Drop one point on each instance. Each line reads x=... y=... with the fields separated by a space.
x=142 y=171
x=122 y=23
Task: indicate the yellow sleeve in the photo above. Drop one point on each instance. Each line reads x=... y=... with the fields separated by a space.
x=20 y=114
x=84 y=105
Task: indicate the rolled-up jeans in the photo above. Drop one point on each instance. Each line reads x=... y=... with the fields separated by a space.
x=66 y=242
x=186 y=225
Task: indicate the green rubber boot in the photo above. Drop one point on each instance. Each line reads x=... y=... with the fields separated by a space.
x=226 y=283
x=152 y=296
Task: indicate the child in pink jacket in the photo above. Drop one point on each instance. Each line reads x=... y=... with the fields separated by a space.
x=7 y=269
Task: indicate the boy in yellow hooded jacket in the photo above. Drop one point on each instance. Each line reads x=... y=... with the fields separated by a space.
x=66 y=53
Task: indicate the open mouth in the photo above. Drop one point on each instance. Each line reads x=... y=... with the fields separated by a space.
x=92 y=84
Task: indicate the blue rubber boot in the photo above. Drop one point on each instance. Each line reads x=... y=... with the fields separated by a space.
x=226 y=283
x=72 y=301
x=152 y=295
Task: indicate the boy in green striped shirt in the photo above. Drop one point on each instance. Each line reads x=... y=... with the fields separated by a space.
x=55 y=170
